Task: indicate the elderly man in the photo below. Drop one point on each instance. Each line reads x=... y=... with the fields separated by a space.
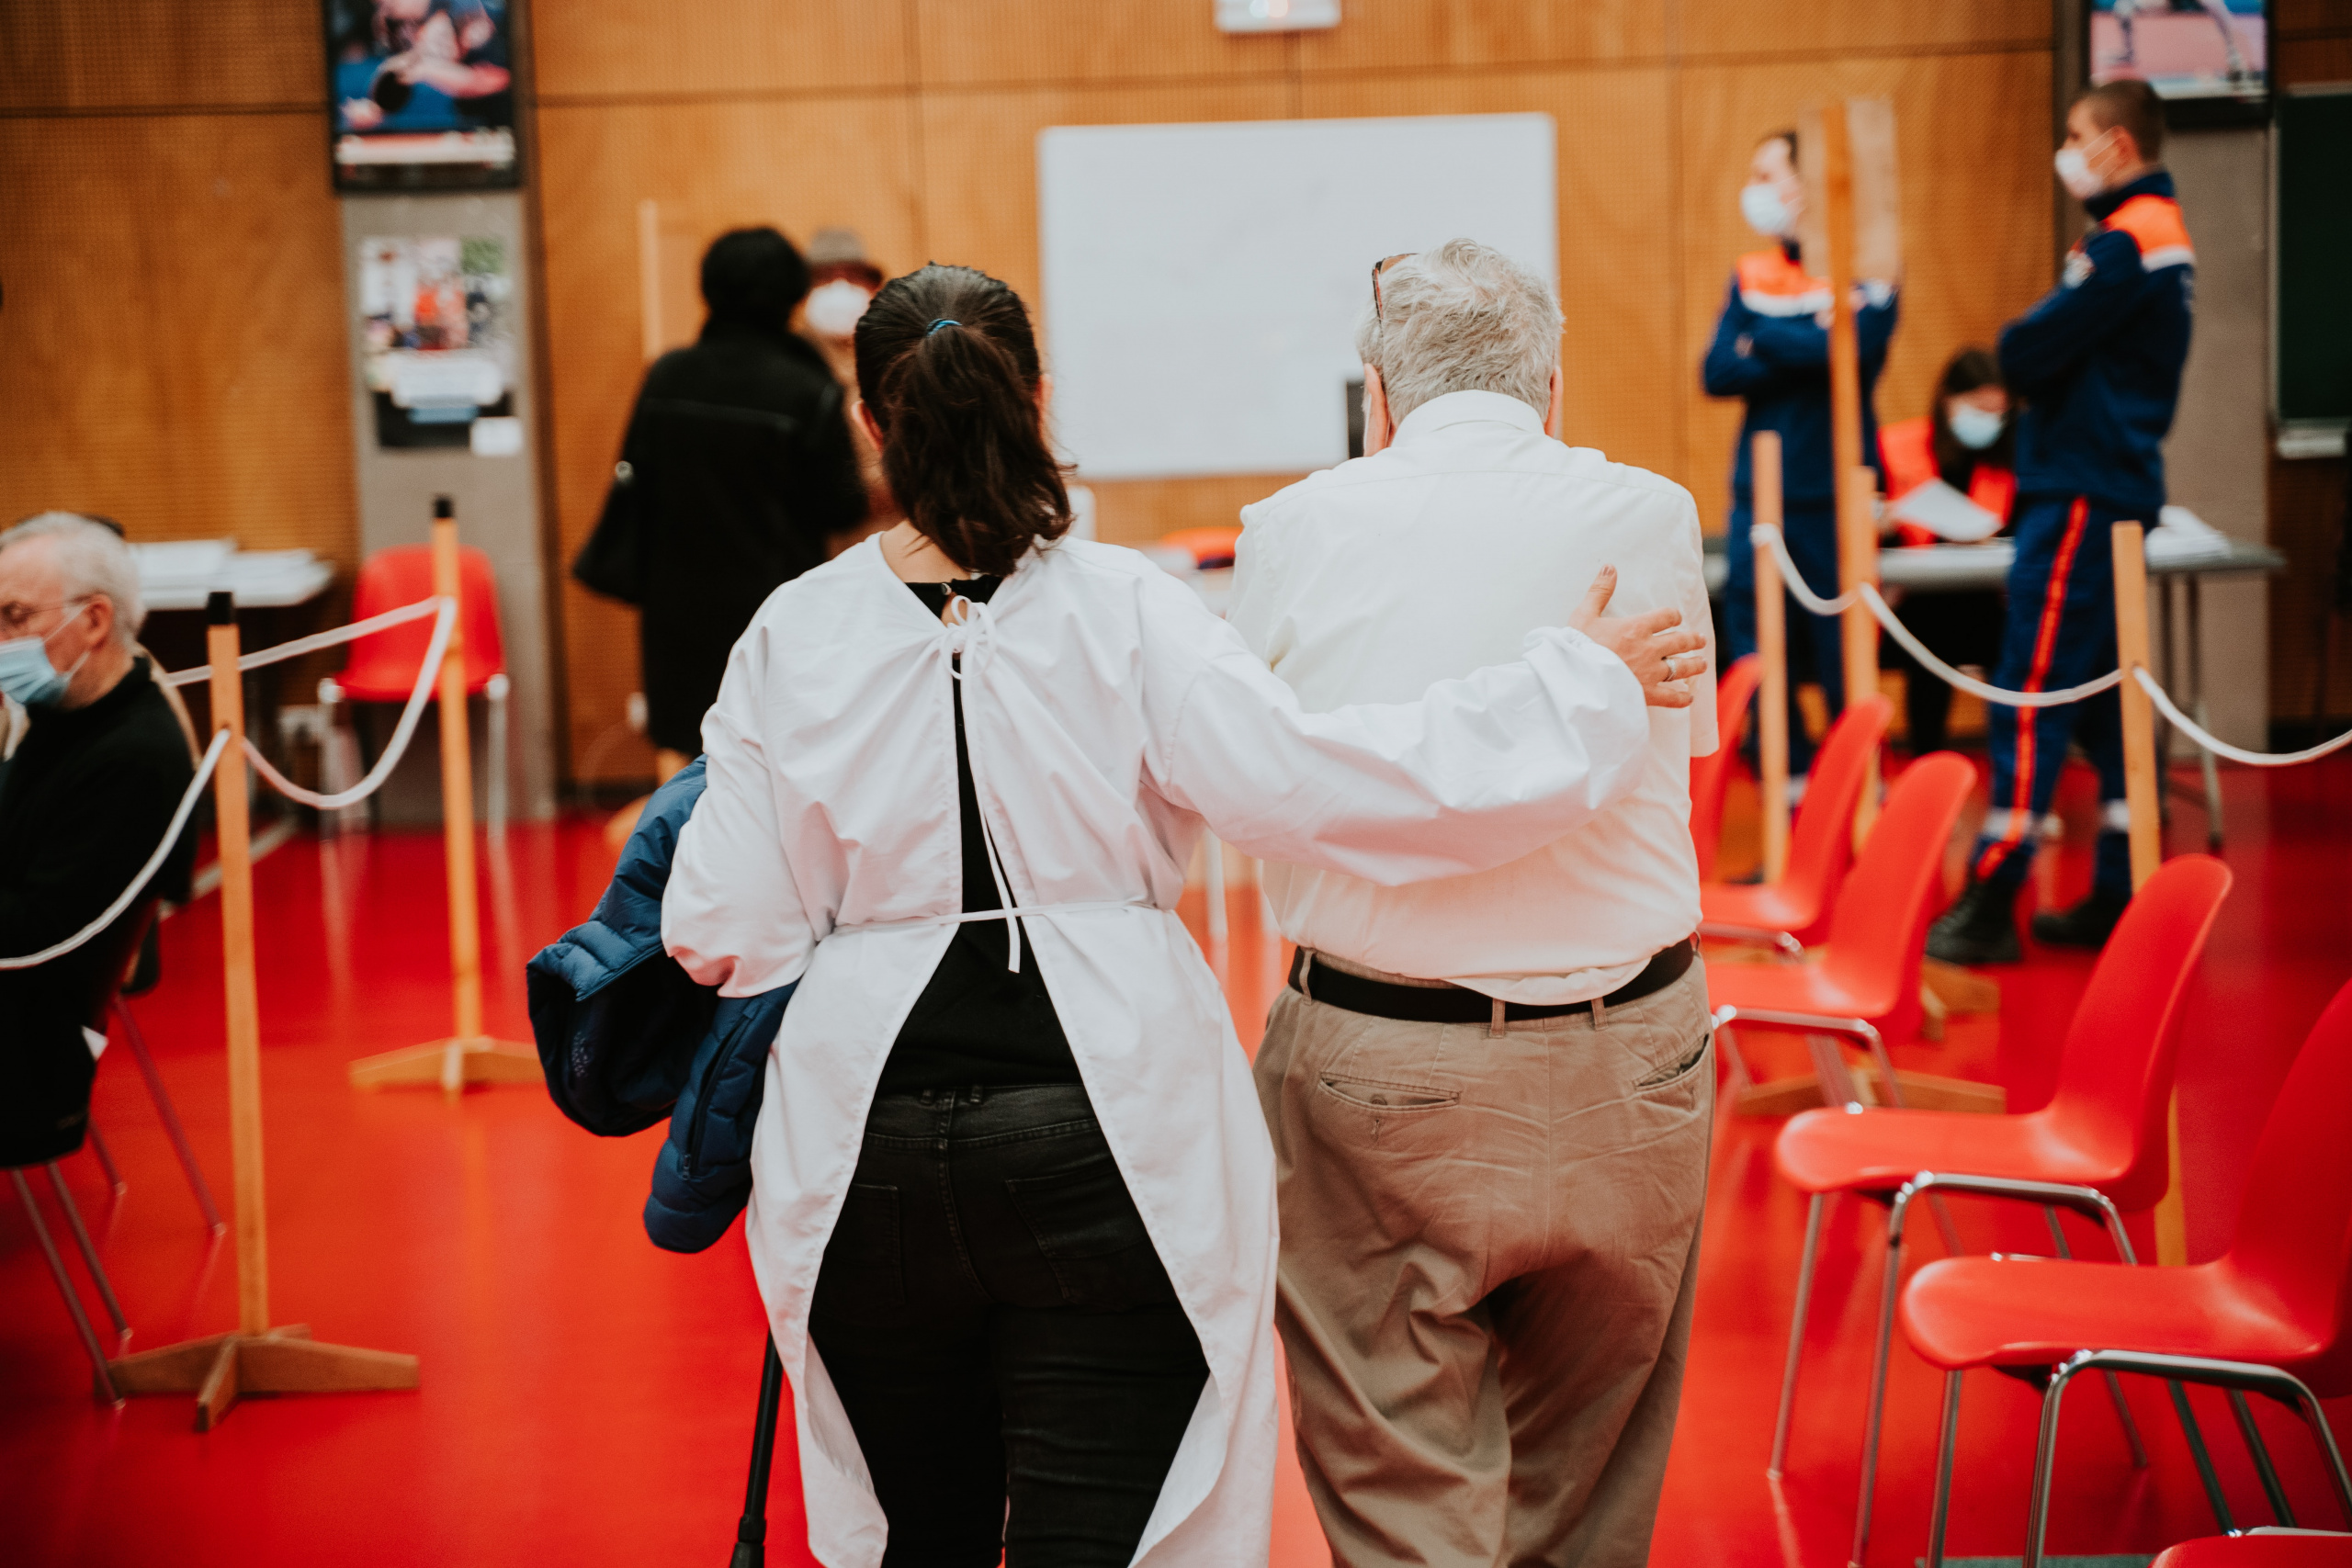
x=1490 y=1095
x=84 y=801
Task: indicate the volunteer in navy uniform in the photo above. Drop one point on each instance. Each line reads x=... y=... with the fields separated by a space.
x=2098 y=363
x=1771 y=350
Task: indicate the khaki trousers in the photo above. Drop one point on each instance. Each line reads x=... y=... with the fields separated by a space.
x=1489 y=1246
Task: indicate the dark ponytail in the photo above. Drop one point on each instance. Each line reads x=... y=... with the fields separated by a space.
x=948 y=366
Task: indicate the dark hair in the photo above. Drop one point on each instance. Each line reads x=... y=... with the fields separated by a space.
x=948 y=366
x=2129 y=104
x=753 y=274
x=392 y=94
x=1966 y=371
x=1788 y=136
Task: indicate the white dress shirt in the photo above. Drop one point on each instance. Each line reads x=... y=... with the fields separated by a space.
x=1431 y=558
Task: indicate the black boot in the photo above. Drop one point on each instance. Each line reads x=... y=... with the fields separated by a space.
x=2087 y=924
x=1980 y=928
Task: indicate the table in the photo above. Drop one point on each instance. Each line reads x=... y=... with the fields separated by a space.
x=272 y=587
x=1951 y=569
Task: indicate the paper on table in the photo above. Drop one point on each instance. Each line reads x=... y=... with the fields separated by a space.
x=1937 y=507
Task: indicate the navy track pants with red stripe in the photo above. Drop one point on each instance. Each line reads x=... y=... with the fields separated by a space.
x=2059 y=632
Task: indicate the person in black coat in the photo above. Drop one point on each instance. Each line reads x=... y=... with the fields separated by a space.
x=737 y=467
x=84 y=799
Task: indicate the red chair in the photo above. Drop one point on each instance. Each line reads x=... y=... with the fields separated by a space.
x=2261 y=1547
x=2270 y=1315
x=383 y=665
x=1711 y=774
x=2098 y=1147
x=1867 y=985
x=1791 y=911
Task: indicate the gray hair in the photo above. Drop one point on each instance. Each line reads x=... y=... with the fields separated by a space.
x=1462 y=318
x=94 y=561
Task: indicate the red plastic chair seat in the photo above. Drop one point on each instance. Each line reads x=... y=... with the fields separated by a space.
x=1974 y=1311
x=1835 y=1151
x=1802 y=988
x=1765 y=906
x=2260 y=1552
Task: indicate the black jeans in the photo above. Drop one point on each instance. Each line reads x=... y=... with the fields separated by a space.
x=1001 y=1329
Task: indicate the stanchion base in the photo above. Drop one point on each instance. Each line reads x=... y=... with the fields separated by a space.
x=1921 y=1091
x=221 y=1369
x=451 y=1063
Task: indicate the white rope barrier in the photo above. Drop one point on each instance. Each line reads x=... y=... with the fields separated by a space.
x=444 y=613
x=2188 y=727
x=1866 y=594
x=301 y=645
x=426 y=672
x=146 y=873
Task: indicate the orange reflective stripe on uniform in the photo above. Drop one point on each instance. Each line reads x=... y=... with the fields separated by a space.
x=2156 y=225
x=1772 y=285
x=2045 y=642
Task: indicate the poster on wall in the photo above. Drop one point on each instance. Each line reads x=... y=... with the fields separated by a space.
x=421 y=93
x=2209 y=60
x=438 y=356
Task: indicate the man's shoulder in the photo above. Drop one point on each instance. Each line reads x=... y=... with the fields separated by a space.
x=1589 y=466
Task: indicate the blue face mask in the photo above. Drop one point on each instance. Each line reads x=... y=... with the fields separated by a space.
x=1972 y=427
x=26 y=673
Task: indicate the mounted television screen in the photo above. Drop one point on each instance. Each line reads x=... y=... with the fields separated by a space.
x=422 y=94
x=2209 y=60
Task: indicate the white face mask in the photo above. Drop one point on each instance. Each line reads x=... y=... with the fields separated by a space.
x=2074 y=166
x=1765 y=212
x=1972 y=427
x=835 y=308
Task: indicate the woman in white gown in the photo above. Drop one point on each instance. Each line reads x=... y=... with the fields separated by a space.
x=1014 y=1211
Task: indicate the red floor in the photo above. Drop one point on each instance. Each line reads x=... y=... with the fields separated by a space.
x=587 y=1399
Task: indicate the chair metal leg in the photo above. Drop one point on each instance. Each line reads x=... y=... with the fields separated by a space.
x=1946 y=1446
x=2197 y=1452
x=106 y=1161
x=89 y=1253
x=1796 y=1335
x=137 y=1040
x=2316 y=1420
x=2114 y=1384
x=1895 y=1214
x=101 y=1378
x=2045 y=1462
x=495 y=782
x=2280 y=1508
x=1838 y=1085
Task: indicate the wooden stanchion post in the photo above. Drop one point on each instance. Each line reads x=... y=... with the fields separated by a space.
x=2142 y=795
x=1857 y=564
x=256 y=1359
x=467 y=1055
x=1772 y=647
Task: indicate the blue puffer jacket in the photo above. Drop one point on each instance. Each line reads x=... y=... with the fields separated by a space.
x=625 y=1036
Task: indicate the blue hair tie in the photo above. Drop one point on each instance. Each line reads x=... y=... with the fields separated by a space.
x=943 y=321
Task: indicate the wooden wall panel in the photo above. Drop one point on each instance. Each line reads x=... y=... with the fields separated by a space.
x=1446 y=33
x=1069 y=42
x=1733 y=29
x=642 y=49
x=1975 y=214
x=1617 y=212
x=800 y=164
x=161 y=53
x=721 y=120
x=172 y=352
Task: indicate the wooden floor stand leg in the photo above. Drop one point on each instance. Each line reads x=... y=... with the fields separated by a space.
x=451 y=1063
x=221 y=1369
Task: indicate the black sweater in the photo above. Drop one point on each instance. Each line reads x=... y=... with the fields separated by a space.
x=83 y=804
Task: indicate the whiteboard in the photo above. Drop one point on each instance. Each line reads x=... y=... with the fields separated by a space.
x=1202 y=282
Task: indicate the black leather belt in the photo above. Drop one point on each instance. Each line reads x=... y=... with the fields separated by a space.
x=1457 y=1004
